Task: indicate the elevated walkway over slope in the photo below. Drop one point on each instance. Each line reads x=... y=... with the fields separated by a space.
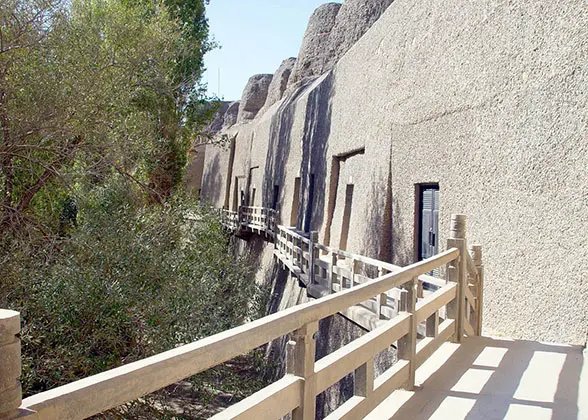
x=444 y=368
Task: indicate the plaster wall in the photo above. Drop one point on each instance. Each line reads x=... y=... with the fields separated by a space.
x=486 y=98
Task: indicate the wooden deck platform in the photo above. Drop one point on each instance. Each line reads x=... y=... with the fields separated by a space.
x=491 y=378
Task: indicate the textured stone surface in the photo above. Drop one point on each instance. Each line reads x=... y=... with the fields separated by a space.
x=254 y=96
x=488 y=99
x=231 y=115
x=219 y=118
x=314 y=52
x=353 y=20
x=279 y=82
x=332 y=30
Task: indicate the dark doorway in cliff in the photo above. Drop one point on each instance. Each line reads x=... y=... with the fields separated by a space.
x=295 y=202
x=252 y=200
x=427 y=221
x=276 y=198
x=346 y=217
x=229 y=172
x=309 y=204
x=337 y=162
x=236 y=195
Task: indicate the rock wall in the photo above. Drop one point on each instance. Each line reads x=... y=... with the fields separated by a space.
x=314 y=52
x=279 y=83
x=332 y=30
x=254 y=97
x=488 y=100
x=231 y=115
x=353 y=20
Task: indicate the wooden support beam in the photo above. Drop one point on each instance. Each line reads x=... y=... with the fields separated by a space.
x=383 y=298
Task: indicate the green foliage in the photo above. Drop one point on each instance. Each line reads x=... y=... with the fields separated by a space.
x=130 y=281
x=100 y=101
x=92 y=86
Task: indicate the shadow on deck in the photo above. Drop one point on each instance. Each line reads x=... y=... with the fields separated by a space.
x=486 y=378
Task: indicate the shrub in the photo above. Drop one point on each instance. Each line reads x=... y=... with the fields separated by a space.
x=127 y=282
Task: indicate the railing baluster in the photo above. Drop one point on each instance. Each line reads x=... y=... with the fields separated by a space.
x=456 y=272
x=363 y=384
x=311 y=256
x=301 y=363
x=331 y=274
x=10 y=390
x=476 y=253
x=432 y=327
x=353 y=271
x=382 y=300
x=10 y=367
x=407 y=344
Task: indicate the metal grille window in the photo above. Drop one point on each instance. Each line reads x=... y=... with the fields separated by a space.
x=429 y=223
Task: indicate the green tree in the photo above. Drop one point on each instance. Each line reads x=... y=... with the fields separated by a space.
x=91 y=87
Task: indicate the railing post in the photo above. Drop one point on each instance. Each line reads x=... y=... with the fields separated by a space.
x=432 y=325
x=311 y=256
x=353 y=272
x=382 y=299
x=363 y=384
x=457 y=272
x=476 y=253
x=10 y=367
x=332 y=263
x=10 y=390
x=300 y=362
x=407 y=344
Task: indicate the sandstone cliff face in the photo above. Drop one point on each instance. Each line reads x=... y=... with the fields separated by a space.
x=332 y=30
x=231 y=114
x=279 y=82
x=218 y=121
x=313 y=53
x=353 y=21
x=254 y=96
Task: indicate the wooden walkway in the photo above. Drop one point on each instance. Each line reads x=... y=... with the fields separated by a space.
x=445 y=370
x=493 y=378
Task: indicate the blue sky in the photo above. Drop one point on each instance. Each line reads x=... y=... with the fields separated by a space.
x=255 y=36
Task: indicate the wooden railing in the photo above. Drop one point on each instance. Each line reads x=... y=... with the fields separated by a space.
x=306 y=377
x=260 y=220
x=230 y=219
x=325 y=270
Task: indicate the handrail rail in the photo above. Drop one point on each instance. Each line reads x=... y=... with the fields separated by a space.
x=377 y=263
x=255 y=208
x=109 y=389
x=305 y=378
x=294 y=234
